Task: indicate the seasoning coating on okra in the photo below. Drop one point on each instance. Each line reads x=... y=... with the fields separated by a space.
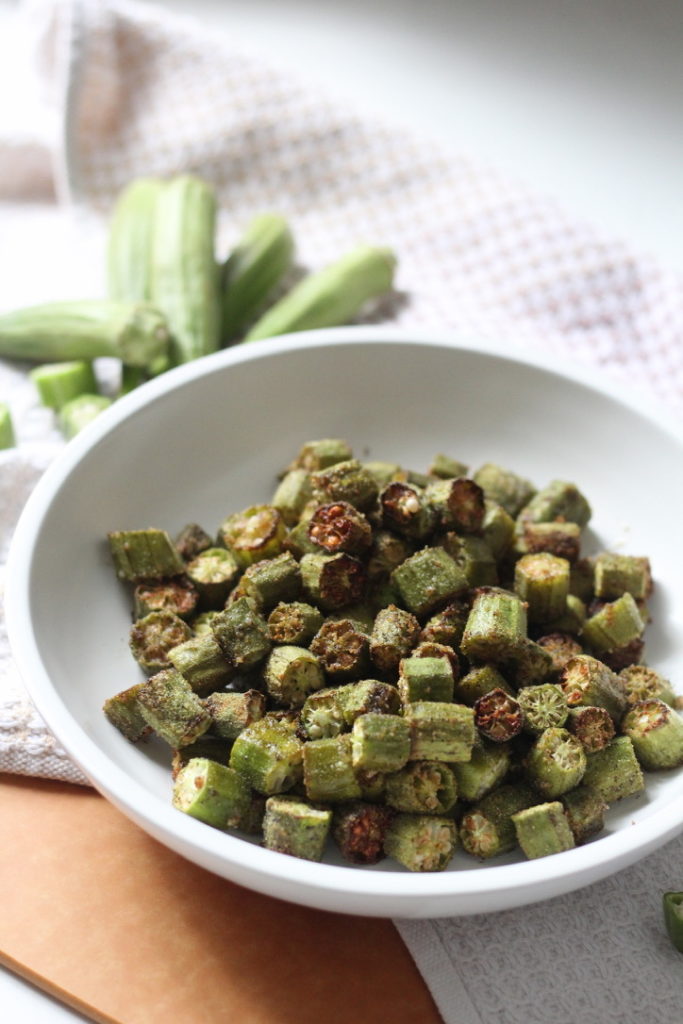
x=394 y=634
x=428 y=579
x=359 y=830
x=291 y=673
x=256 y=533
x=421 y=842
x=339 y=526
x=423 y=678
x=172 y=709
x=333 y=581
x=294 y=826
x=498 y=716
x=347 y=481
x=656 y=731
x=152 y=637
x=542 y=706
x=144 y=555
x=422 y=787
x=556 y=763
x=380 y=743
x=640 y=682
x=593 y=727
x=543 y=829
x=342 y=650
x=440 y=731
x=614 y=772
x=405 y=511
x=211 y=792
x=588 y=682
x=177 y=595
x=294 y=622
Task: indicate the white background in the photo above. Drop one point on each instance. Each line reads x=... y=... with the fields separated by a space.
x=582 y=98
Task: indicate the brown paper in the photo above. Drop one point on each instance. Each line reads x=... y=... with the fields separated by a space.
x=101 y=915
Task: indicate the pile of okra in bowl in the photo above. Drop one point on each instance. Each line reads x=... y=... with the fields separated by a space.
x=373 y=621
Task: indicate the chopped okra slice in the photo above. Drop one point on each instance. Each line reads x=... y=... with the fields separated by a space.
x=177 y=595
x=329 y=775
x=291 y=673
x=406 y=511
x=153 y=636
x=333 y=581
x=359 y=830
x=614 y=772
x=387 y=552
x=585 y=810
x=423 y=678
x=623 y=657
x=459 y=504
x=427 y=579
x=556 y=763
x=242 y=634
x=542 y=581
x=582 y=579
x=474 y=557
x=298 y=542
x=440 y=731
x=620 y=574
x=385 y=472
x=543 y=830
x=346 y=481
x=656 y=731
x=422 y=787
x=486 y=769
x=542 y=706
x=446 y=468
x=487 y=829
x=558 y=501
x=272 y=580
x=124 y=712
x=172 y=709
x=380 y=743
x=144 y=555
x=201 y=662
x=294 y=622
x=421 y=842
x=191 y=541
x=640 y=682
x=339 y=526
x=322 y=715
x=292 y=494
x=342 y=650
x=593 y=727
x=208 y=746
x=587 y=682
x=294 y=826
x=497 y=529
x=561 y=647
x=430 y=649
x=231 y=713
x=256 y=533
x=498 y=716
x=528 y=663
x=268 y=754
x=368 y=695
x=617 y=624
x=560 y=539
x=447 y=625
x=394 y=634
x=317 y=455
x=213 y=572
x=672 y=903
x=211 y=792
x=504 y=487
x=478 y=681
x=495 y=625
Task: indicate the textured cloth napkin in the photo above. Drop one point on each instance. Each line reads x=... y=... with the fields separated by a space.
x=106 y=92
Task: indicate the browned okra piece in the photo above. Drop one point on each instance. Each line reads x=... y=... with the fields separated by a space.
x=498 y=716
x=123 y=711
x=486 y=769
x=394 y=634
x=242 y=634
x=294 y=622
x=211 y=792
x=542 y=581
x=459 y=504
x=177 y=595
x=430 y=649
x=588 y=682
x=144 y=555
x=560 y=539
x=562 y=647
x=421 y=842
x=405 y=511
x=296 y=827
x=380 y=743
x=172 y=709
x=506 y=488
x=656 y=731
x=359 y=830
x=558 y=501
x=329 y=775
x=386 y=553
x=346 y=481
x=339 y=526
x=271 y=581
x=333 y=581
x=487 y=830
x=213 y=572
x=291 y=673
x=191 y=541
x=585 y=810
x=153 y=636
x=422 y=787
x=342 y=650
x=447 y=625
x=592 y=726
x=428 y=579
x=233 y=712
x=317 y=455
x=480 y=680
x=365 y=696
x=256 y=533
x=616 y=625
x=212 y=747
x=641 y=682
x=556 y=763
x=474 y=556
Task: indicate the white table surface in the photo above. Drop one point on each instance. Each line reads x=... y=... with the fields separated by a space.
x=582 y=99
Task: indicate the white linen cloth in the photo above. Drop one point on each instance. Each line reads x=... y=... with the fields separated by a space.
x=116 y=90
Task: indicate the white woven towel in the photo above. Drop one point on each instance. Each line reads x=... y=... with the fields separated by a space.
x=115 y=90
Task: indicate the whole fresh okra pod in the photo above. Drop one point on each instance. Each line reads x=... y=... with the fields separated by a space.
x=254 y=268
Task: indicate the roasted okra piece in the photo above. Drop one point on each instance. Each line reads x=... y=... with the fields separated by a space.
x=542 y=581
x=291 y=673
x=293 y=825
x=447 y=625
x=329 y=775
x=486 y=769
x=254 y=534
x=421 y=787
x=498 y=716
x=487 y=829
x=339 y=526
x=242 y=634
x=474 y=557
x=191 y=541
x=152 y=637
x=543 y=706
x=123 y=711
x=386 y=553
x=556 y=763
x=495 y=625
x=614 y=772
x=172 y=709
x=271 y=581
x=268 y=754
x=528 y=663
x=233 y=712
x=213 y=572
x=208 y=746
x=479 y=681
x=347 y=481
x=368 y=695
x=292 y=495
x=359 y=829
x=593 y=727
x=294 y=622
x=333 y=581
x=316 y=455
x=543 y=830
x=615 y=625
x=560 y=539
x=446 y=468
x=322 y=715
x=620 y=574
x=421 y=842
x=428 y=579
x=342 y=650
x=380 y=743
x=559 y=501
x=587 y=682
x=201 y=662
x=497 y=529
x=144 y=555
x=175 y=595
x=643 y=683
x=672 y=903
x=394 y=634
x=656 y=731
x=406 y=511
x=504 y=487
x=425 y=679
x=211 y=792
x=561 y=647
x=585 y=810
x=440 y=731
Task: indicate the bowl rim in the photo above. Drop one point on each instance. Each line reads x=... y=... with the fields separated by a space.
x=575 y=868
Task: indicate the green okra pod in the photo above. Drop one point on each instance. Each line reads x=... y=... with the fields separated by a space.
x=422 y=787
x=394 y=634
x=495 y=625
x=172 y=709
x=331 y=296
x=329 y=775
x=368 y=695
x=556 y=763
x=640 y=682
x=175 y=595
x=316 y=455
x=291 y=673
x=7 y=434
x=558 y=501
x=78 y=412
x=242 y=634
x=617 y=574
x=421 y=842
x=479 y=681
x=656 y=731
x=123 y=711
x=543 y=830
x=347 y=481
x=588 y=682
x=359 y=830
x=292 y=494
x=322 y=715
x=497 y=529
x=201 y=663
x=487 y=829
x=457 y=504
x=425 y=679
x=130 y=241
x=294 y=826
x=144 y=555
x=211 y=792
x=256 y=533
x=253 y=269
x=294 y=622
x=672 y=904
x=504 y=487
x=88 y=329
x=59 y=383
x=440 y=731
x=342 y=650
x=615 y=625
x=213 y=572
x=542 y=707
x=231 y=713
x=614 y=772
x=272 y=580
x=152 y=637
x=446 y=468
x=542 y=581
x=207 y=746
x=380 y=743
x=474 y=556
x=268 y=754
x=386 y=553
x=428 y=579
x=486 y=769
x=585 y=810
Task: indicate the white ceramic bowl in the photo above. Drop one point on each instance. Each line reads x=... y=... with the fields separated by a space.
x=208 y=439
